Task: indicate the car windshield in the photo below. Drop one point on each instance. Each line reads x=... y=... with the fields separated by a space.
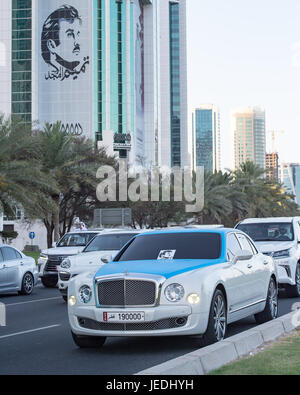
x=165 y=246
x=276 y=231
x=109 y=242
x=76 y=239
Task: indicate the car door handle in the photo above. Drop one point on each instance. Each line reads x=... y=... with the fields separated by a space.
x=249 y=266
x=266 y=262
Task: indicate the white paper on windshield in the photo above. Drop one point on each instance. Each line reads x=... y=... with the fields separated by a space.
x=166 y=254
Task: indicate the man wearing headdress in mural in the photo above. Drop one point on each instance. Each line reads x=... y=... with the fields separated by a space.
x=61 y=44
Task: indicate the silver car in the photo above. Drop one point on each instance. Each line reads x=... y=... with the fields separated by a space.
x=18 y=272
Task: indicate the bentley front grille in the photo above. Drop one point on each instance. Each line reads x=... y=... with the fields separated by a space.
x=126 y=292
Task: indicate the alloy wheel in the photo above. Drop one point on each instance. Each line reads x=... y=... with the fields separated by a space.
x=273 y=299
x=28 y=283
x=219 y=318
x=298 y=278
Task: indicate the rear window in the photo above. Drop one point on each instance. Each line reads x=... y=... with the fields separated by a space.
x=173 y=246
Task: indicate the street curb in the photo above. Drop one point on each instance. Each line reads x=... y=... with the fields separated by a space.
x=213 y=357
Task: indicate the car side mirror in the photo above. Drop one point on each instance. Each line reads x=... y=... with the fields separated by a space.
x=54 y=245
x=244 y=255
x=106 y=258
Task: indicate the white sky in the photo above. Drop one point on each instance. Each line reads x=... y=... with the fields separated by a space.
x=246 y=53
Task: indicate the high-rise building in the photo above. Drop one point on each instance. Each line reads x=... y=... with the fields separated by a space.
x=290 y=177
x=249 y=136
x=272 y=166
x=112 y=70
x=206 y=137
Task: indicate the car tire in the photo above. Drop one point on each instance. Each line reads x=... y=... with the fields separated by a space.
x=88 y=341
x=271 y=309
x=27 y=284
x=217 y=321
x=293 y=291
x=49 y=283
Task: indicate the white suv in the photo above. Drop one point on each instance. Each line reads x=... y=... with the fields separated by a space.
x=280 y=239
x=72 y=243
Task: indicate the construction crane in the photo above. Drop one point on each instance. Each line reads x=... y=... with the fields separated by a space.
x=274 y=133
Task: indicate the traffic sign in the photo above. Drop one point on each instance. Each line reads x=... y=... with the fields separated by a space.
x=31 y=235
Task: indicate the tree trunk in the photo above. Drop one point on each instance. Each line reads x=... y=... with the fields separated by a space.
x=56 y=219
x=49 y=227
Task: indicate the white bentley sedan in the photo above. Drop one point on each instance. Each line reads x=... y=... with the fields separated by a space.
x=18 y=272
x=170 y=283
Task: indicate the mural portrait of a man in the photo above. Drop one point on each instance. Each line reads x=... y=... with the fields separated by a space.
x=61 y=44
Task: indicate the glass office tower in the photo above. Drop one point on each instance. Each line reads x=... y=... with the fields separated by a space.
x=206 y=131
x=250 y=136
x=290 y=177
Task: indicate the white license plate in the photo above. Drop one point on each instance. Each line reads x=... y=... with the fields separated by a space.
x=130 y=316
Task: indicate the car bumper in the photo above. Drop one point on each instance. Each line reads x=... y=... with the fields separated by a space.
x=36 y=277
x=63 y=288
x=41 y=266
x=49 y=275
x=45 y=274
x=286 y=269
x=63 y=284
x=196 y=324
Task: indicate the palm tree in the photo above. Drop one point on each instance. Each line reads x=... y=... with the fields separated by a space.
x=21 y=179
x=72 y=163
x=217 y=203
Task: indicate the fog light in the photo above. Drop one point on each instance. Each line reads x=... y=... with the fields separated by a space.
x=181 y=321
x=72 y=300
x=193 y=299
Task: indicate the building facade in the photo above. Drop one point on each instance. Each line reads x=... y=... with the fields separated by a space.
x=249 y=136
x=272 y=166
x=206 y=137
x=290 y=178
x=112 y=70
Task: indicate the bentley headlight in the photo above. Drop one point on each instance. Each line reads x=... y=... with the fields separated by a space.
x=174 y=292
x=44 y=257
x=66 y=264
x=85 y=294
x=282 y=254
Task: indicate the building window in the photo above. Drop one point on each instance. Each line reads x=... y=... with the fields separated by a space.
x=100 y=80
x=21 y=59
x=175 y=85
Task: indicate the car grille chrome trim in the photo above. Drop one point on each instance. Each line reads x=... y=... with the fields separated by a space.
x=51 y=266
x=126 y=292
x=54 y=261
x=129 y=290
x=57 y=258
